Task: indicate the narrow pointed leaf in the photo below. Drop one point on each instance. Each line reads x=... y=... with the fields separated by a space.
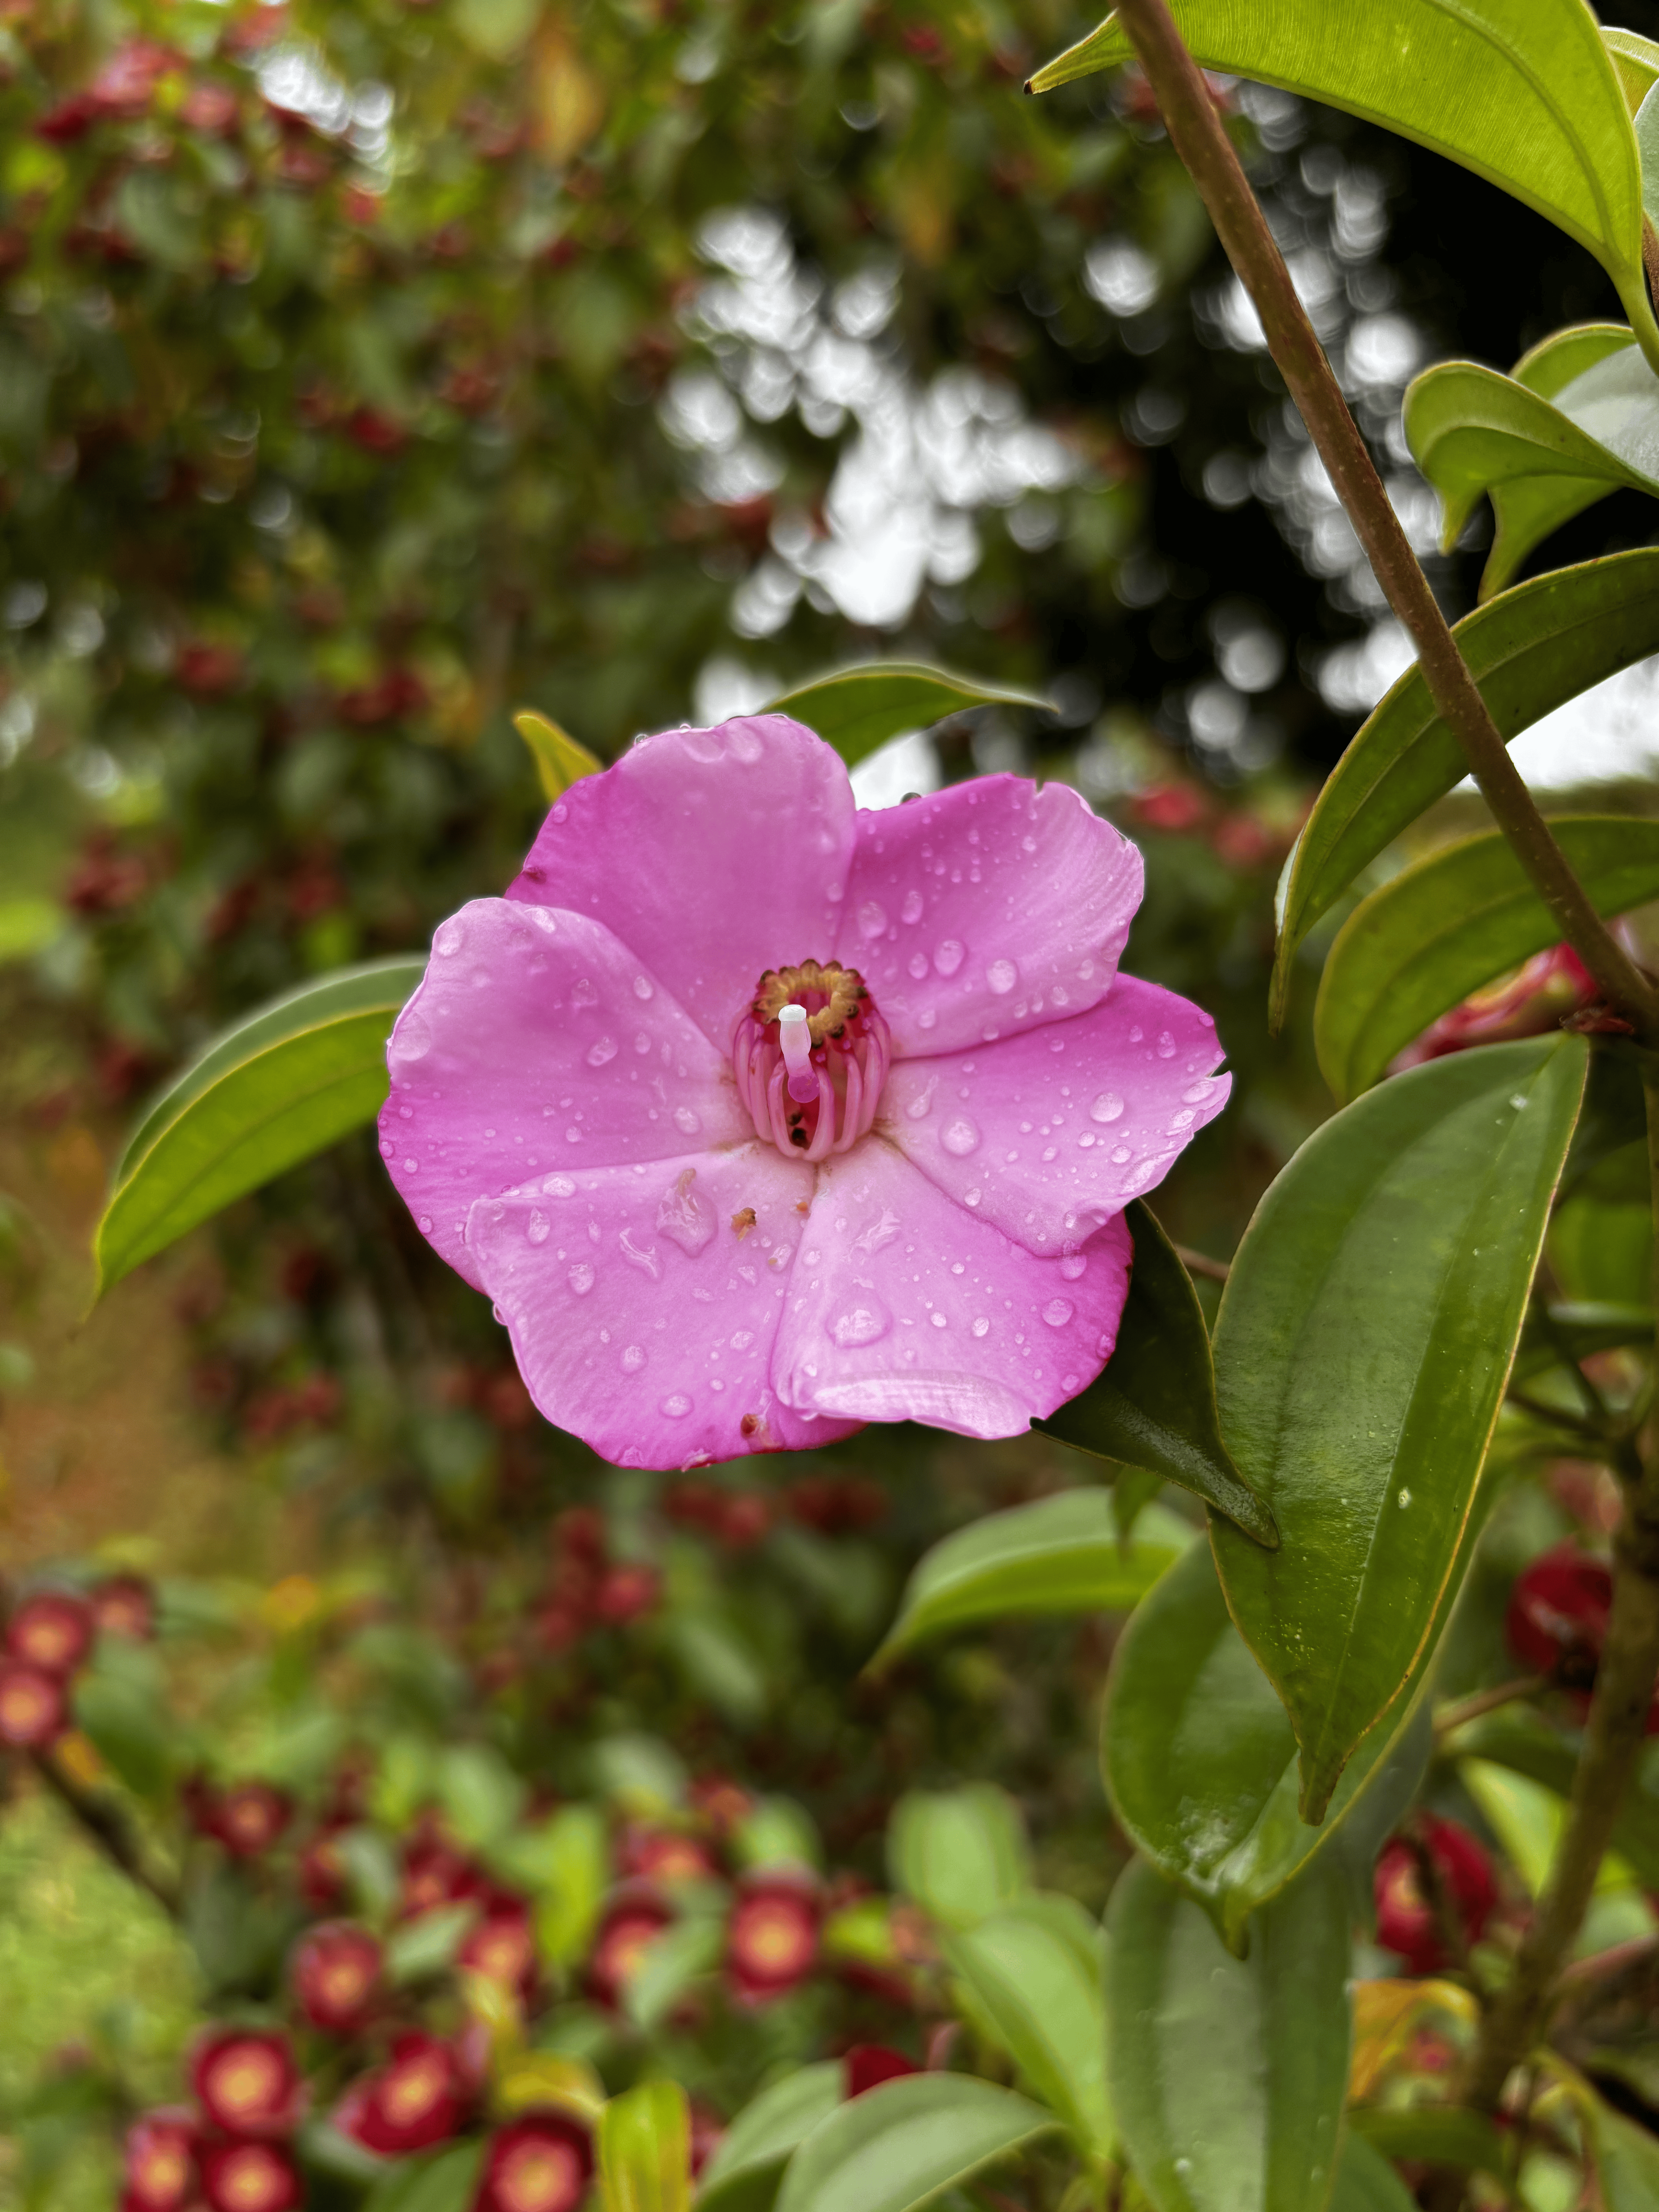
x=1530 y=651
x=856 y=709
x=1154 y=1404
x=287 y=1083
x=560 y=761
x=749 y=2160
x=1440 y=930
x=962 y=1854
x=1201 y=1759
x=904 y=2143
x=1364 y=1342
x=1365 y=2182
x=645 y=2150
x=1550 y=125
x=1228 y=2074
x=1061 y=1555
x=1033 y=1974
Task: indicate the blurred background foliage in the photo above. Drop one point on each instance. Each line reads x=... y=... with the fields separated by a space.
x=368 y=370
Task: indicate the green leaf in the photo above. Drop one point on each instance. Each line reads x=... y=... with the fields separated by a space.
x=1530 y=651
x=1636 y=64
x=1439 y=2135
x=902 y=2144
x=1200 y=1758
x=1527 y=1745
x=1647 y=147
x=645 y=2150
x=1033 y=1972
x=668 y=1964
x=1365 y=2182
x=122 y=1710
x=856 y=709
x=428 y=1945
x=285 y=1083
x=1549 y=126
x=444 y=2181
x=560 y=761
x=1153 y=1404
x=1542 y=455
x=480 y=1792
x=754 y=2149
x=574 y=1869
x=1228 y=2074
x=1363 y=1346
x=1062 y=1554
x=1454 y=921
x=961 y=1853
x=1626 y=2157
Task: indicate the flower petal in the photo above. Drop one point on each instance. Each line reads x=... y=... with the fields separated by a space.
x=1049 y=1134
x=534 y=1043
x=905 y=1306
x=640 y=1319
x=715 y=854
x=985 y=909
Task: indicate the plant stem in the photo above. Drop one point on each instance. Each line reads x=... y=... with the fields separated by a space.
x=1199 y=138
x=1200 y=1263
x=106 y=1829
x=1451 y=1717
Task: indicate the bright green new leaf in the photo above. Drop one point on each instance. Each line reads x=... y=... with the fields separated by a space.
x=1439 y=2135
x=1635 y=64
x=668 y=1964
x=1062 y=1554
x=1578 y=418
x=428 y=1944
x=569 y=1881
x=1530 y=651
x=1549 y=124
x=1032 y=1971
x=1454 y=921
x=749 y=2160
x=1528 y=1745
x=1201 y=1759
x=645 y=2150
x=285 y=1083
x=1362 y=1348
x=900 y=2145
x=1153 y=1403
x=1228 y=2074
x=445 y=2181
x=961 y=1853
x=1365 y=2182
x=856 y=709
x=560 y=761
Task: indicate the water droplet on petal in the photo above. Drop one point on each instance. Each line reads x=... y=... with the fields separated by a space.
x=1120 y=1154
x=580 y=1278
x=981 y=1326
x=424 y=1224
x=603 y=1049
x=911 y=910
x=558 y=1186
x=642 y=987
x=960 y=1136
x=950 y=956
x=411 y=1167
x=686 y=1121
x=1107 y=1108
x=684 y=1216
x=677 y=1405
x=940 y=1320
x=411 y=1039
x=539 y=1229
x=1058 y=1312
x=633 y=1358
x=1196 y=1093
x=449 y=937
x=1073 y=1265
x=1001 y=976
x=872 y=918
x=918 y=965
x=972 y=1197
x=860 y=1324
x=1181 y=1121
x=1166 y=1045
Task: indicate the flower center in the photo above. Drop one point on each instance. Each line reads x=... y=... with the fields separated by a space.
x=810 y=1056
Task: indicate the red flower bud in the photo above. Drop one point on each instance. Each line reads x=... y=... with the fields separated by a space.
x=159 y=2162
x=1405 y=1915
x=540 y=2163
x=416 y=2099
x=249 y=2177
x=33 y=1711
x=245 y=2080
x=1557 y=1620
x=869 y=2064
x=336 y=1972
x=772 y=1937
x=624 y=1933
x=52 y=1631
x=1529 y=1003
x=126 y=1606
x=247 y=1819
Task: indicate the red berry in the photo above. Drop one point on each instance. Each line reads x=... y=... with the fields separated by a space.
x=1405 y=1915
x=1557 y=1619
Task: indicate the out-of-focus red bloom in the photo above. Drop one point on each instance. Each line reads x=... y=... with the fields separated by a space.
x=1172 y=807
x=211 y=109
x=1405 y=1916
x=1243 y=841
x=666 y=1855
x=33 y=1711
x=707 y=2130
x=336 y=1972
x=208 y=670
x=284 y=1406
x=626 y=1594
x=249 y=2177
x=418 y=2098
x=246 y=2081
x=624 y=1933
x=724 y=1804
x=69 y=119
x=502 y=1946
x=772 y=1936
x=323 y=1868
x=247 y=1819
x=869 y=2064
x=1556 y=1617
x=541 y=2162
x=837 y=1505
x=374 y=432
x=52 y=1631
x=125 y=1605
x=399 y=691
x=1530 y=1003
x=103 y=880
x=435 y=1875
x=579 y=1532
x=159 y=2162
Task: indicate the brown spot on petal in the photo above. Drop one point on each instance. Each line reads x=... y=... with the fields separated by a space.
x=803 y=1205
x=743 y=1221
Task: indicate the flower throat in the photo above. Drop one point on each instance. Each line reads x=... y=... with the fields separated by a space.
x=810 y=1055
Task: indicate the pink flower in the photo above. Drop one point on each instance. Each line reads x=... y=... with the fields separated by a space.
x=759 y=1118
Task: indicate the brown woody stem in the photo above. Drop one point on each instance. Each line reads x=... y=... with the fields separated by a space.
x=1202 y=142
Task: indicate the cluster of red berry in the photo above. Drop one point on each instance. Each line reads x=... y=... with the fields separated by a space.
x=49 y=1636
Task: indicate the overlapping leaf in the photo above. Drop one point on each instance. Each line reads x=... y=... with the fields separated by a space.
x=1365 y=2182
x=856 y=709
x=645 y=2150
x=1364 y=1342
x=903 y=2144
x=961 y=1853
x=1031 y=1977
x=1439 y=930
x=1530 y=651
x=747 y=2163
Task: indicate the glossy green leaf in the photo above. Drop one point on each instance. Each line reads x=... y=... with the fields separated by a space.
x=856 y=709
x=1439 y=2135
x=1362 y=1348
x=1032 y=1971
x=281 y=1085
x=1200 y=1758
x=445 y=2181
x=1153 y=1403
x=1228 y=2074
x=1530 y=651
x=961 y=1853
x=560 y=760
x=1365 y=2182
x=1455 y=922
x=902 y=2144
x=645 y=2150
x=1542 y=456
x=1635 y=64
x=1062 y=1554
x=748 y=2161
x=1550 y=125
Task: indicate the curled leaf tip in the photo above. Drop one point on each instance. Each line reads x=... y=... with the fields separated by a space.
x=560 y=761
